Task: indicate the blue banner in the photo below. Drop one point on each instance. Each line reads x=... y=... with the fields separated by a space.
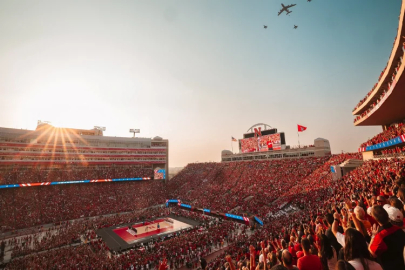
x=258 y=220
x=382 y=145
x=234 y=216
x=185 y=205
x=73 y=182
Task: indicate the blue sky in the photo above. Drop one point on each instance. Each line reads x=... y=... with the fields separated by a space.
x=194 y=72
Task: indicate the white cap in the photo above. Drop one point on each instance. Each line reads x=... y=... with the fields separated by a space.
x=395 y=215
x=261 y=258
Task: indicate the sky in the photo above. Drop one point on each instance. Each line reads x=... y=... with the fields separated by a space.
x=194 y=72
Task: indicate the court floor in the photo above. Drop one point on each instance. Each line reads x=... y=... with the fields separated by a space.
x=151 y=228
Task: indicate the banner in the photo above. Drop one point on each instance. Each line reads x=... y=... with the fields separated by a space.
x=395 y=141
x=73 y=182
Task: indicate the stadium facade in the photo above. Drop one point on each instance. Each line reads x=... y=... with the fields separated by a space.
x=320 y=148
x=384 y=103
x=49 y=146
x=261 y=142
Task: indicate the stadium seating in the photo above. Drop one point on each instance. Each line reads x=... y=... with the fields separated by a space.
x=33 y=206
x=388 y=134
x=292 y=196
x=22 y=175
x=382 y=91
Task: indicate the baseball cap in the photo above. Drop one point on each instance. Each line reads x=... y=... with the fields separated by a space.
x=395 y=215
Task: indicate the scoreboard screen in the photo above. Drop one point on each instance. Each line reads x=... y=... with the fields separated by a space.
x=159 y=174
x=261 y=143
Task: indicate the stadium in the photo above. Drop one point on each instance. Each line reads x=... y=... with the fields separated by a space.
x=73 y=198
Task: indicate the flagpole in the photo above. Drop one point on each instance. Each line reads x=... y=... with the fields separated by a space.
x=299 y=146
x=232 y=145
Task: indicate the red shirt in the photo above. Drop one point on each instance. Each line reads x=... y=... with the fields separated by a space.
x=309 y=262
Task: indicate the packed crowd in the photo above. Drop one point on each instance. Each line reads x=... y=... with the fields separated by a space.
x=369 y=93
x=184 y=248
x=393 y=152
x=390 y=133
x=33 y=206
x=308 y=218
x=396 y=69
x=18 y=175
x=355 y=223
x=385 y=90
x=70 y=232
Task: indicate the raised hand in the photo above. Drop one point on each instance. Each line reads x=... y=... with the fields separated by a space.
x=374 y=229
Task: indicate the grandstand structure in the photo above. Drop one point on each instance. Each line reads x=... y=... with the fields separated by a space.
x=298 y=192
x=52 y=147
x=263 y=142
x=384 y=103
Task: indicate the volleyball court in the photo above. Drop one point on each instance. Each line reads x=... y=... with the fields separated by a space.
x=135 y=232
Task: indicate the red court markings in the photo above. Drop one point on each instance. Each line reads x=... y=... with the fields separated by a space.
x=148 y=223
x=126 y=236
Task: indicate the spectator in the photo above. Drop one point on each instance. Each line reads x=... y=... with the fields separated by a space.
x=395 y=215
x=361 y=216
x=329 y=233
x=356 y=253
x=388 y=241
x=327 y=253
x=308 y=261
x=288 y=260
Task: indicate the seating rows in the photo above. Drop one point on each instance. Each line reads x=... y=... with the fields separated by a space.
x=297 y=199
x=390 y=133
x=397 y=64
x=27 y=207
x=328 y=206
x=17 y=175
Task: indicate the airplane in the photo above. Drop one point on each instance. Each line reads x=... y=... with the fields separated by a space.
x=265 y=26
x=295 y=26
x=309 y=0
x=286 y=9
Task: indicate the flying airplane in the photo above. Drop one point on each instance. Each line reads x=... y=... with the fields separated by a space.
x=295 y=26
x=286 y=9
x=265 y=26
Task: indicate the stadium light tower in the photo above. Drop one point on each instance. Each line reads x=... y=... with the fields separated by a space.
x=134 y=130
x=100 y=128
x=43 y=122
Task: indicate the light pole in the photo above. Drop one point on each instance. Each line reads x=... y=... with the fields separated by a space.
x=133 y=130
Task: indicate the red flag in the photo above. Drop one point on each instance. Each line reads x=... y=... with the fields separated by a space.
x=234 y=140
x=301 y=128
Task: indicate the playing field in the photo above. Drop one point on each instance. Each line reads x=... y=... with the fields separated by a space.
x=150 y=228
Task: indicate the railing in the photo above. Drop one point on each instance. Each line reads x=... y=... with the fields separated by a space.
x=384 y=76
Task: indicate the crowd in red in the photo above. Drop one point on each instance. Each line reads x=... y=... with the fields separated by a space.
x=393 y=152
x=390 y=133
x=373 y=194
x=33 y=206
x=369 y=93
x=396 y=69
x=383 y=90
x=304 y=210
x=183 y=249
